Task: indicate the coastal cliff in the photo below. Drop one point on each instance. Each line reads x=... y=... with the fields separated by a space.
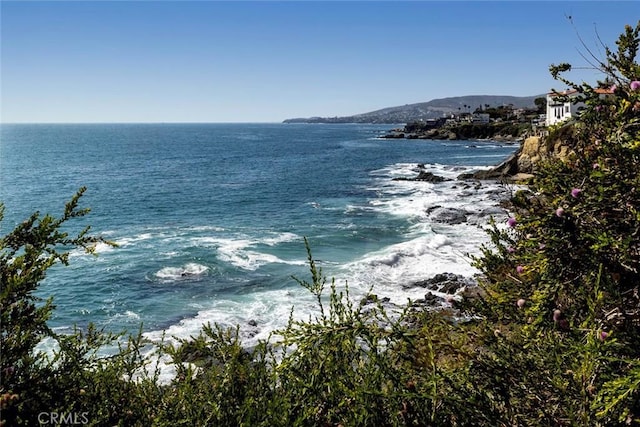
x=523 y=164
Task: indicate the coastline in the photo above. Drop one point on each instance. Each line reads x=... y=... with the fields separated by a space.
x=503 y=132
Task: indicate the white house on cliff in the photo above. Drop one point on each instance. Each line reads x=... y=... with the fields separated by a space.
x=559 y=111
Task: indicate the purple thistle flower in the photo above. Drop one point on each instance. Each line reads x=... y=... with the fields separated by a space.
x=520 y=269
x=541 y=246
x=635 y=85
x=598 y=107
x=603 y=335
x=511 y=222
x=575 y=193
x=511 y=249
x=596 y=166
x=559 y=212
x=613 y=88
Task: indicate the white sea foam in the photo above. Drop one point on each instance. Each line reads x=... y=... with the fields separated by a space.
x=433 y=245
x=258 y=314
x=126 y=241
x=245 y=259
x=98 y=248
x=241 y=251
x=186 y=271
x=127 y=315
x=280 y=238
x=206 y=228
x=429 y=248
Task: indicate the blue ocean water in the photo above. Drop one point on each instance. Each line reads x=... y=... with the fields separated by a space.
x=210 y=218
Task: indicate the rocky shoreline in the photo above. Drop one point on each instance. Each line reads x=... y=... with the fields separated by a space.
x=500 y=132
x=519 y=167
x=444 y=289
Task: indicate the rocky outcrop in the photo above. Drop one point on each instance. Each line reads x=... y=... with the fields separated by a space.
x=523 y=163
x=505 y=169
x=394 y=134
x=450 y=216
x=501 y=132
x=424 y=176
x=536 y=149
x=447 y=283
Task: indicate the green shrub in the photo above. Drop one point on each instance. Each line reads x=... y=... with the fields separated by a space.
x=569 y=353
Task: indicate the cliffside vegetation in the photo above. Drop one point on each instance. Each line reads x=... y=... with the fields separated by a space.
x=550 y=339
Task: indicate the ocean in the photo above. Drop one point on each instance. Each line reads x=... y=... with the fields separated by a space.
x=210 y=218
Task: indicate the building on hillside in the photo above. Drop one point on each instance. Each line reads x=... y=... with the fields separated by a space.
x=480 y=118
x=559 y=110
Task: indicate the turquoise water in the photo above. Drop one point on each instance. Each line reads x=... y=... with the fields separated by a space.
x=210 y=218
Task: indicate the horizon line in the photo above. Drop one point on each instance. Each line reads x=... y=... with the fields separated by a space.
x=138 y=123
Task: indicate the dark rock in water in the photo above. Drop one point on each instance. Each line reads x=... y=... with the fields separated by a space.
x=429 y=177
x=505 y=169
x=465 y=176
x=448 y=283
x=447 y=215
x=369 y=299
x=372 y=299
x=252 y=323
x=481 y=218
x=424 y=176
x=394 y=135
x=431 y=299
x=494 y=210
x=498 y=195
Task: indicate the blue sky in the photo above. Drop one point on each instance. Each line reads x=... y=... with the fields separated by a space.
x=266 y=61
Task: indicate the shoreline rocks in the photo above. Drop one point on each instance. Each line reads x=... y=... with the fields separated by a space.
x=502 y=132
x=424 y=176
x=452 y=216
x=447 y=283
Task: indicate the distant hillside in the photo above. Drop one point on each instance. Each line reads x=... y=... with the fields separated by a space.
x=426 y=110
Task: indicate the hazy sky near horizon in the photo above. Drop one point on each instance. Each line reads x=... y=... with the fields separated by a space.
x=210 y=61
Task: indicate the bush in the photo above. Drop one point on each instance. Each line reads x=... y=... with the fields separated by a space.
x=567 y=352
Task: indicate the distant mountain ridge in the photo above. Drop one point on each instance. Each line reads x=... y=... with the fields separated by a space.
x=426 y=110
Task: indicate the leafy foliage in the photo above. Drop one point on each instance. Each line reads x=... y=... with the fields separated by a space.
x=573 y=259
